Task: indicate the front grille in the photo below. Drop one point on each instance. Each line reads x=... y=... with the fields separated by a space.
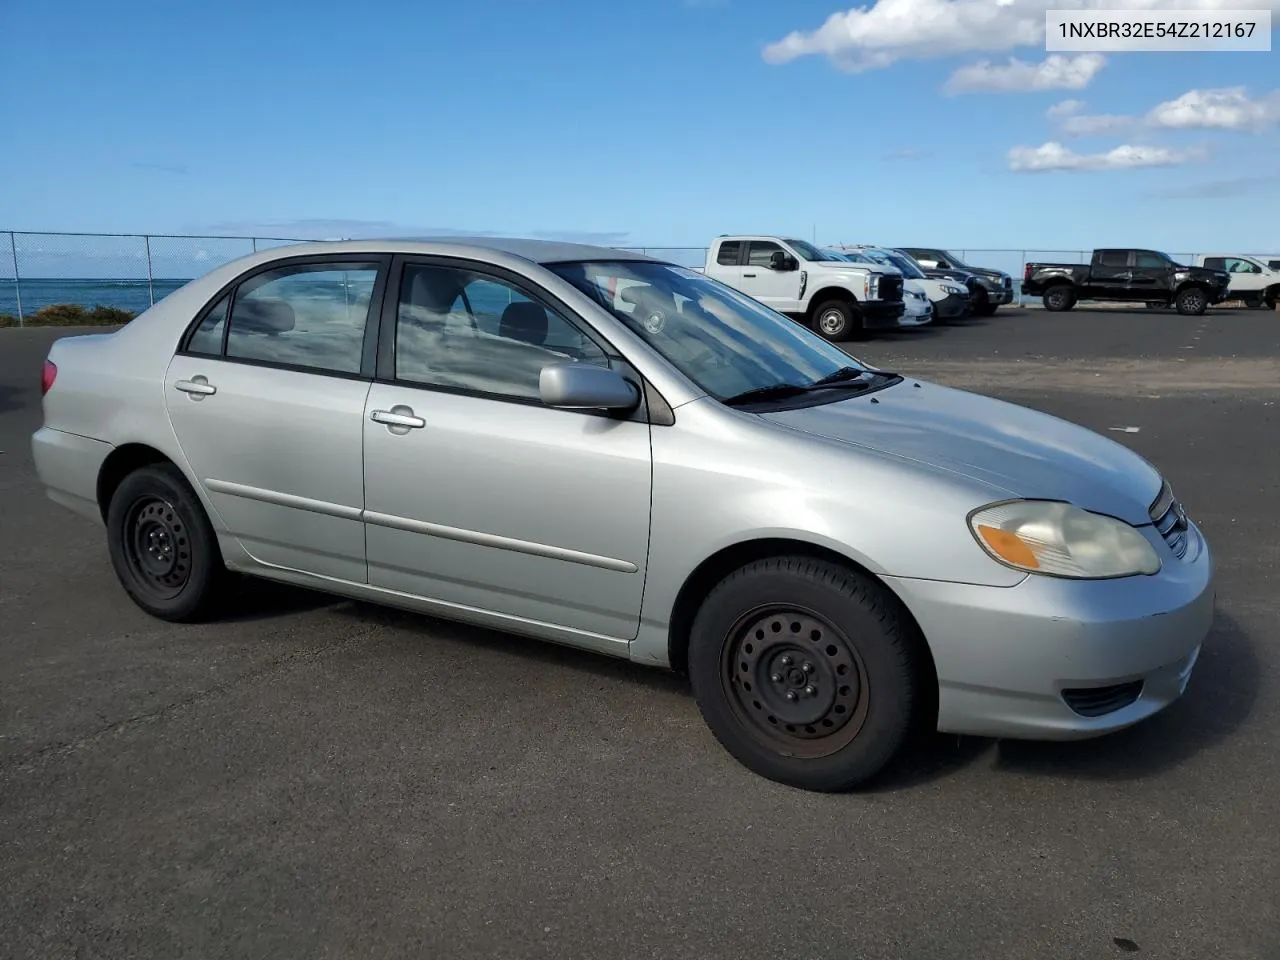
x=1170 y=520
x=1099 y=701
x=890 y=288
x=1007 y=282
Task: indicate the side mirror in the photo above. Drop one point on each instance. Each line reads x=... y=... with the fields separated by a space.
x=779 y=260
x=584 y=386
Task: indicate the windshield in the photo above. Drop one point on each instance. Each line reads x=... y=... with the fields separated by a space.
x=808 y=251
x=722 y=340
x=907 y=268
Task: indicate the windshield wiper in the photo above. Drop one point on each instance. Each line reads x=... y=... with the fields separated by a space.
x=843 y=375
x=775 y=391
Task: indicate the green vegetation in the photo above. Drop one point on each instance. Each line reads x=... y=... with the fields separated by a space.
x=70 y=315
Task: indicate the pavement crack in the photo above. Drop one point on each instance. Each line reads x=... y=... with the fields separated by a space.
x=33 y=758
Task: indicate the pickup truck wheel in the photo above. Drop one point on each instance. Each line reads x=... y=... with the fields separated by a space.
x=1059 y=298
x=1192 y=302
x=805 y=672
x=835 y=320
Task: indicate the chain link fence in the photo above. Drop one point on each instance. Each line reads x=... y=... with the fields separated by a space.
x=124 y=272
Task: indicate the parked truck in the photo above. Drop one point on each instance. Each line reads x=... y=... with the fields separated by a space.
x=988 y=288
x=1252 y=280
x=1126 y=274
x=837 y=298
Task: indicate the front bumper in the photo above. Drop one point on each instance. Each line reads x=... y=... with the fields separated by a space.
x=917 y=318
x=997 y=296
x=953 y=307
x=881 y=314
x=1009 y=658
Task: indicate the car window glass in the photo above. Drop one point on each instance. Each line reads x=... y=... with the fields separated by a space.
x=759 y=252
x=729 y=252
x=207 y=338
x=307 y=316
x=467 y=331
x=1215 y=263
x=1114 y=258
x=1150 y=261
x=1235 y=265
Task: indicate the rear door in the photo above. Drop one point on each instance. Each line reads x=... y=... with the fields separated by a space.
x=267 y=397
x=728 y=263
x=1109 y=275
x=479 y=497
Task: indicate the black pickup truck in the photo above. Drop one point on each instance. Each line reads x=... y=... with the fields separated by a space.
x=1142 y=276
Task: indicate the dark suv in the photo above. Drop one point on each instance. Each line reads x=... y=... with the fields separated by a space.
x=987 y=288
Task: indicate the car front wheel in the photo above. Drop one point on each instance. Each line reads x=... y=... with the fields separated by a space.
x=1192 y=302
x=805 y=672
x=162 y=546
x=836 y=320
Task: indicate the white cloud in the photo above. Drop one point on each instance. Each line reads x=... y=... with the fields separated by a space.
x=1225 y=108
x=1054 y=156
x=1064 y=109
x=1055 y=72
x=868 y=38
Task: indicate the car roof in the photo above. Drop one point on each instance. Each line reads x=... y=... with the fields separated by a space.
x=533 y=250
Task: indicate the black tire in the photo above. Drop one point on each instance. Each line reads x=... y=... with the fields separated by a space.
x=163 y=547
x=852 y=670
x=1191 y=302
x=836 y=320
x=1059 y=298
x=987 y=309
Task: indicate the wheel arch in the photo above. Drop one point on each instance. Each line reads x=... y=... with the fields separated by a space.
x=826 y=295
x=724 y=561
x=121 y=462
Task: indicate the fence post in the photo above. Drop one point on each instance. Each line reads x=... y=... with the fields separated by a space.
x=151 y=290
x=17 y=284
x=255 y=244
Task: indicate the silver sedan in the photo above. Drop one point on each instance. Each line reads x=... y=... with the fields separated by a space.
x=596 y=448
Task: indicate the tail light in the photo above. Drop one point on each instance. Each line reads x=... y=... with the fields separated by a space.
x=47 y=376
x=1026 y=272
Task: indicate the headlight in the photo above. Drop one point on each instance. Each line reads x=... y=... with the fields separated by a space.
x=1057 y=539
x=954 y=291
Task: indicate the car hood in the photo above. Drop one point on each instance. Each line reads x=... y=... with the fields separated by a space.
x=844 y=266
x=989 y=274
x=1021 y=451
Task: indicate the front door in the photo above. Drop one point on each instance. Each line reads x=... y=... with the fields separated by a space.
x=779 y=289
x=476 y=494
x=269 y=411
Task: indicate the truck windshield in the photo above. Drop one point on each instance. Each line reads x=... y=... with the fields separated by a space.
x=722 y=340
x=808 y=251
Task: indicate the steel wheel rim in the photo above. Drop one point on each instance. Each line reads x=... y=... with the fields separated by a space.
x=157 y=547
x=1057 y=298
x=812 y=706
x=831 y=321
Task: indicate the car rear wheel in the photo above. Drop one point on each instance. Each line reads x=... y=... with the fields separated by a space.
x=1059 y=298
x=986 y=309
x=1192 y=302
x=805 y=672
x=163 y=547
x=836 y=320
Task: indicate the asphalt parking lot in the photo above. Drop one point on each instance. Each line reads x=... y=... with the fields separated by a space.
x=314 y=777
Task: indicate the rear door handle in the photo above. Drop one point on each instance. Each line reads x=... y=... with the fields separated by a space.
x=393 y=419
x=748 y=274
x=199 y=386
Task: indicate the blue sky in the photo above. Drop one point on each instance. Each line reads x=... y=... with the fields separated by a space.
x=639 y=122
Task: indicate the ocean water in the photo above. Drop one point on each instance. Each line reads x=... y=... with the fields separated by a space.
x=135 y=295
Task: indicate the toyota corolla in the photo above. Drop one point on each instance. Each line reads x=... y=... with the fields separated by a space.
x=593 y=447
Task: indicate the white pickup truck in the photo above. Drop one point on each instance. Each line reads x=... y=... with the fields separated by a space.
x=1253 y=280
x=837 y=298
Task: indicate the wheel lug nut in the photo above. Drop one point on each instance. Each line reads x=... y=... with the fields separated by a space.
x=776 y=678
x=807 y=668
x=791 y=695
x=787 y=661
x=811 y=691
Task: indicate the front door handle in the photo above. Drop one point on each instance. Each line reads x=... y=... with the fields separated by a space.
x=198 y=386
x=748 y=274
x=398 y=416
